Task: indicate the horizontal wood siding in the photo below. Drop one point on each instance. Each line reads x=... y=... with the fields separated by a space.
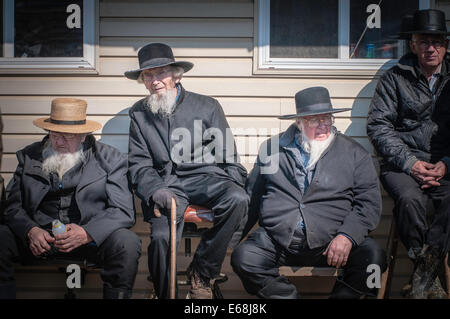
x=217 y=36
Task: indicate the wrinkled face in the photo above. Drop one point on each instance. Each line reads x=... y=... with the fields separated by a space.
x=316 y=127
x=430 y=49
x=66 y=142
x=159 y=80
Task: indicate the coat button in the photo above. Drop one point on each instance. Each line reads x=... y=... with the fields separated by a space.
x=302 y=205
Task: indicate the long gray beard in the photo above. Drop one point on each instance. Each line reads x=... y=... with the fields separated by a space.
x=60 y=163
x=162 y=104
x=315 y=148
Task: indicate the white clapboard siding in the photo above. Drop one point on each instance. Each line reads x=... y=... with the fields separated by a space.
x=107 y=105
x=206 y=67
x=247 y=87
x=15 y=124
x=240 y=125
x=177 y=27
x=232 y=106
x=182 y=47
x=178 y=9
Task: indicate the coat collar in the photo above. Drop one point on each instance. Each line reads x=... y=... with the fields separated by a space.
x=409 y=63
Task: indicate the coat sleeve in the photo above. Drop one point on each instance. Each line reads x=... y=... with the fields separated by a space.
x=15 y=215
x=119 y=210
x=380 y=126
x=229 y=161
x=366 y=209
x=145 y=179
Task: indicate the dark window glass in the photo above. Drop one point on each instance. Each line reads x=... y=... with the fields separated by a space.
x=304 y=29
x=378 y=43
x=42 y=29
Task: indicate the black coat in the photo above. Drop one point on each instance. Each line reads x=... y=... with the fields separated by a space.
x=103 y=195
x=343 y=196
x=407 y=121
x=150 y=156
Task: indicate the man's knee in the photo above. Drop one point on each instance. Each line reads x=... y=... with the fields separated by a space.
x=372 y=254
x=241 y=259
x=240 y=197
x=125 y=241
x=408 y=196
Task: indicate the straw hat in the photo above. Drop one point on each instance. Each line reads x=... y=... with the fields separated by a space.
x=68 y=116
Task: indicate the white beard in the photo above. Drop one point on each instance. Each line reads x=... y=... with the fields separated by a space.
x=162 y=104
x=315 y=148
x=60 y=163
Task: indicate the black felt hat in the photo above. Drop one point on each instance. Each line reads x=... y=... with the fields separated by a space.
x=428 y=21
x=313 y=101
x=406 y=26
x=156 y=55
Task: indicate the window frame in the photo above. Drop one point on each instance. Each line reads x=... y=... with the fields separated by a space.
x=52 y=65
x=264 y=64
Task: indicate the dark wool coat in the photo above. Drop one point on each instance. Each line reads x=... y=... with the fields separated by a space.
x=152 y=146
x=103 y=195
x=343 y=197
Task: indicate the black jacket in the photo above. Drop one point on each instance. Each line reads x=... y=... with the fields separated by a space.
x=407 y=121
x=154 y=141
x=343 y=196
x=103 y=195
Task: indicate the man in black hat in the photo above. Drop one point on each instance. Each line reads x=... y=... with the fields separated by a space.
x=180 y=147
x=316 y=209
x=409 y=126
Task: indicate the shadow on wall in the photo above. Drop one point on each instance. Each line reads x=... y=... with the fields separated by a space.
x=115 y=131
x=360 y=108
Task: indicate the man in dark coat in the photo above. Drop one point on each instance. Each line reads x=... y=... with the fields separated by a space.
x=315 y=209
x=409 y=126
x=181 y=147
x=70 y=177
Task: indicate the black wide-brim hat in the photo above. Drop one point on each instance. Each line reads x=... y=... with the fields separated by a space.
x=313 y=101
x=406 y=26
x=430 y=21
x=155 y=55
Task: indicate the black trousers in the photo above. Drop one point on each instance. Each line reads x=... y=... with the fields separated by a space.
x=410 y=211
x=229 y=204
x=118 y=254
x=256 y=262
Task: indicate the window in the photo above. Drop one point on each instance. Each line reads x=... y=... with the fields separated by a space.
x=331 y=34
x=48 y=36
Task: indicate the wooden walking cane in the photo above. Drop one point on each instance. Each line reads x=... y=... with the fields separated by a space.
x=173 y=248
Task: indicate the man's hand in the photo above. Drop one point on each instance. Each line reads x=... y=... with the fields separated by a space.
x=338 y=251
x=74 y=237
x=426 y=174
x=39 y=240
x=441 y=169
x=162 y=199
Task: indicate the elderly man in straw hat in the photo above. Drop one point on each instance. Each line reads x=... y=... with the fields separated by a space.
x=315 y=210
x=177 y=150
x=70 y=177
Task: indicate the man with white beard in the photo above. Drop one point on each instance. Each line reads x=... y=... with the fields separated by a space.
x=317 y=209
x=69 y=176
x=170 y=157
